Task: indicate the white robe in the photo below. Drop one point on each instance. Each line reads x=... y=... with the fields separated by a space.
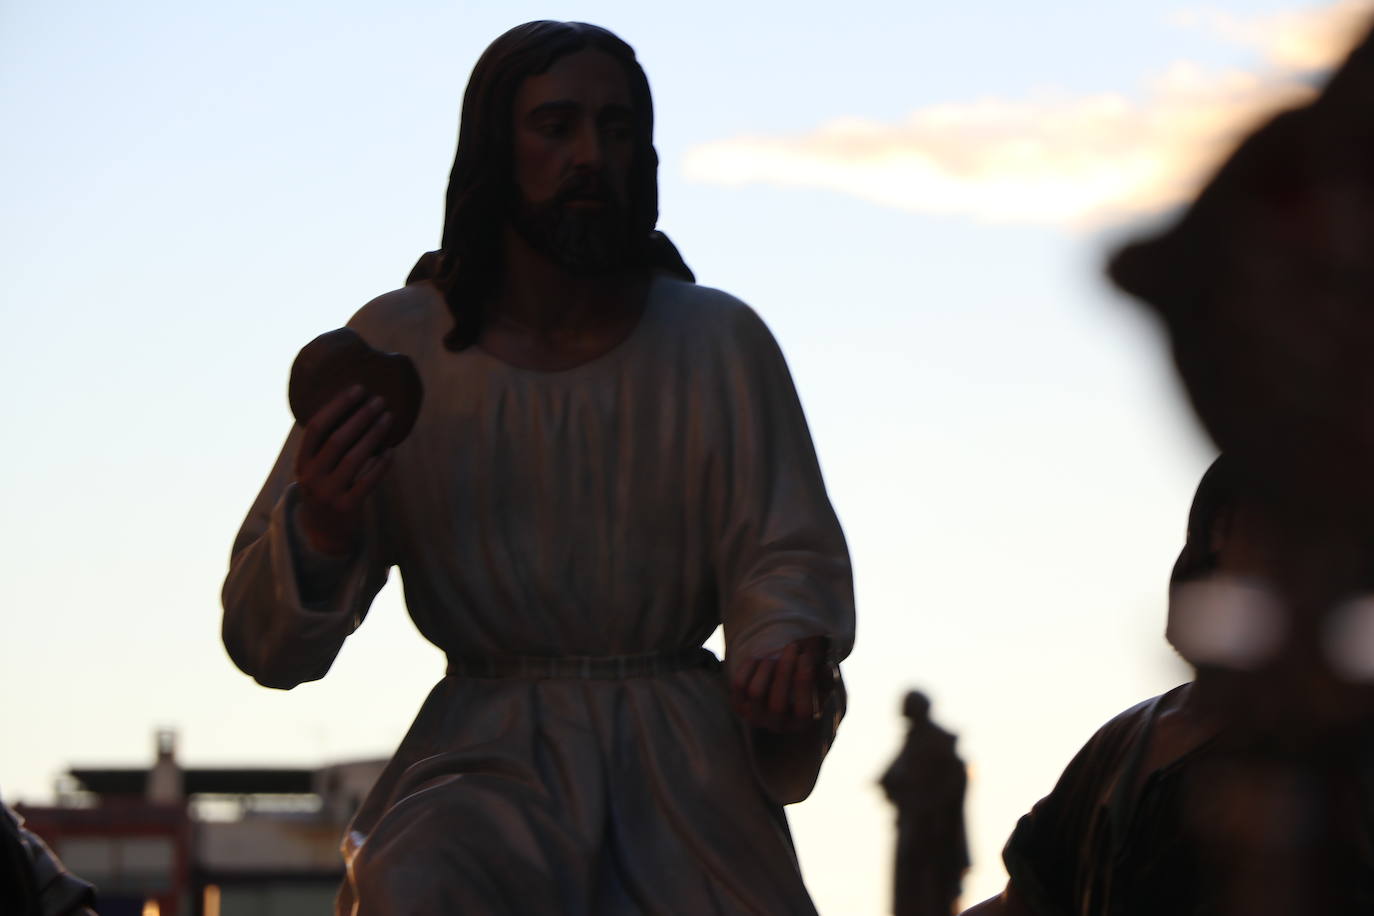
x=625 y=506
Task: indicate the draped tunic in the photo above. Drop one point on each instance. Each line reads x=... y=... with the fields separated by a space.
x=1117 y=839
x=625 y=506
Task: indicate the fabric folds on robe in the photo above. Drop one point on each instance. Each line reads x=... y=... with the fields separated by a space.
x=626 y=506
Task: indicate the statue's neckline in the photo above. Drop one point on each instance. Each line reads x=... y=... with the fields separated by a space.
x=611 y=354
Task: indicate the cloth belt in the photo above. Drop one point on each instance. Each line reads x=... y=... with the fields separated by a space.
x=584 y=667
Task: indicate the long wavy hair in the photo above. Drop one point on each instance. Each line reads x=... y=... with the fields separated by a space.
x=467 y=267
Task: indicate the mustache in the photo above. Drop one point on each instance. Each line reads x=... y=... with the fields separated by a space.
x=585 y=186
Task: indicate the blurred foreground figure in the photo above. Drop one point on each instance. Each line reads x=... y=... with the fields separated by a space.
x=1266 y=286
x=32 y=879
x=609 y=462
x=1248 y=792
x=1179 y=805
x=926 y=782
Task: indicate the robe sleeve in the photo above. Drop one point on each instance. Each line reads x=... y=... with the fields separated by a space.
x=270 y=630
x=782 y=560
x=1059 y=848
x=1047 y=851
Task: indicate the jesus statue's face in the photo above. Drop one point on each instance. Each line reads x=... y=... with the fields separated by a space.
x=574 y=146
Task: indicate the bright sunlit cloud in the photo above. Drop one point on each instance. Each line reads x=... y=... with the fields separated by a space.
x=1054 y=158
x=1296 y=40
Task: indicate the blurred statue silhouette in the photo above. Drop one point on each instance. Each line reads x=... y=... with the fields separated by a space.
x=1247 y=792
x=33 y=881
x=1265 y=286
x=1176 y=806
x=609 y=463
x=926 y=783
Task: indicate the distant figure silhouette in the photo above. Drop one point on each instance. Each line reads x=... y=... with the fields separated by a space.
x=926 y=782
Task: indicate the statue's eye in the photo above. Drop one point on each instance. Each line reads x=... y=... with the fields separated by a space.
x=553 y=129
x=617 y=125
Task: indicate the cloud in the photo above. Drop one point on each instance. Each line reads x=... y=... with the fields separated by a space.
x=1296 y=40
x=1053 y=158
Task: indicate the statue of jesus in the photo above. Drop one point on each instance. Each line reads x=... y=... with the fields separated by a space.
x=610 y=461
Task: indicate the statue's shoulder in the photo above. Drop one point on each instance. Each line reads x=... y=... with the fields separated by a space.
x=712 y=314
x=1112 y=745
x=394 y=320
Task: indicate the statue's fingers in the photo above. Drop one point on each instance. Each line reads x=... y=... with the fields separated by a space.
x=739 y=684
x=779 y=693
x=760 y=680
x=743 y=673
x=366 y=480
x=805 y=701
x=368 y=446
x=757 y=692
x=372 y=471
x=342 y=440
x=325 y=419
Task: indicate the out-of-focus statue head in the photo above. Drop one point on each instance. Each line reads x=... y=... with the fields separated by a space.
x=1266 y=285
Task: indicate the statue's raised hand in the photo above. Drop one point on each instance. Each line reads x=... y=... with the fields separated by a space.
x=343 y=455
x=356 y=403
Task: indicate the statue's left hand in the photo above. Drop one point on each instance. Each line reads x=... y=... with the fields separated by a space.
x=782 y=692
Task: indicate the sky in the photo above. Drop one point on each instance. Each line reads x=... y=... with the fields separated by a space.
x=916 y=197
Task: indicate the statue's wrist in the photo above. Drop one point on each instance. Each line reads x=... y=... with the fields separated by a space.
x=330 y=541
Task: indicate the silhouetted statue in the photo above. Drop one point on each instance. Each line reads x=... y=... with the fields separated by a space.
x=608 y=463
x=1265 y=285
x=33 y=881
x=1174 y=806
x=926 y=782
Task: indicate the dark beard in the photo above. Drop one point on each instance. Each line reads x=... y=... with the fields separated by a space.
x=585 y=242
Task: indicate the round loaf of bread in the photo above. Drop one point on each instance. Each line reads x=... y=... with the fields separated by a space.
x=339 y=359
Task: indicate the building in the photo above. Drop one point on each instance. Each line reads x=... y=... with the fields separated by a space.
x=241 y=841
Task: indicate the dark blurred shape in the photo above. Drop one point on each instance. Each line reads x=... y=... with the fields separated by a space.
x=33 y=881
x=1236 y=793
x=926 y=783
x=1216 y=492
x=1266 y=287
